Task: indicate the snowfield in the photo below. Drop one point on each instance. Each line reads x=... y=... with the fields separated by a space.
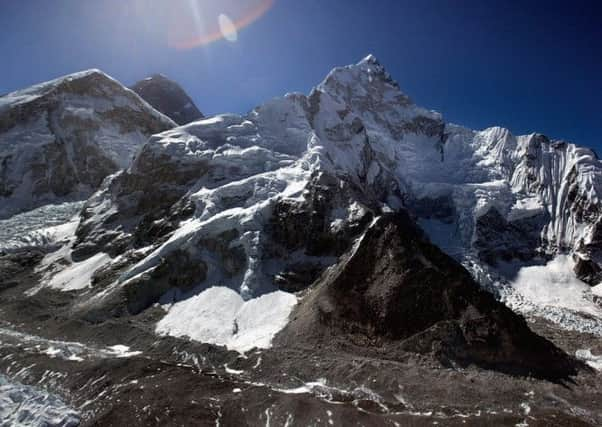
x=220 y=316
x=79 y=274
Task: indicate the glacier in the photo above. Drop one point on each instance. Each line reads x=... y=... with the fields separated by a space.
x=22 y=405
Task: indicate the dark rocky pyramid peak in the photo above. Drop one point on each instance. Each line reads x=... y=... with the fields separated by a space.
x=168 y=97
x=395 y=292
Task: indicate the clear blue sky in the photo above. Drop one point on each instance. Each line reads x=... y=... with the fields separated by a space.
x=526 y=65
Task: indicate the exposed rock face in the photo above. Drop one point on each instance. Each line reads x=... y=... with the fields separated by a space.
x=12 y=264
x=60 y=139
x=169 y=98
x=498 y=239
x=394 y=287
x=588 y=271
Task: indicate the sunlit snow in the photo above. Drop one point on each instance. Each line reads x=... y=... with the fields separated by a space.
x=594 y=361
x=220 y=316
x=556 y=285
x=79 y=274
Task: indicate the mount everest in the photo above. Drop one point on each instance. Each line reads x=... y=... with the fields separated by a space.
x=167 y=97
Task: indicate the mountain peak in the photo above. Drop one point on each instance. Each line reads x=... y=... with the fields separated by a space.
x=59 y=139
x=40 y=90
x=168 y=97
x=370 y=59
x=159 y=77
x=367 y=84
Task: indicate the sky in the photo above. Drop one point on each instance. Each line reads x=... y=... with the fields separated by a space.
x=525 y=65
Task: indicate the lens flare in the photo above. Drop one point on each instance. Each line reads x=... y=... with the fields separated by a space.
x=227 y=28
x=199 y=22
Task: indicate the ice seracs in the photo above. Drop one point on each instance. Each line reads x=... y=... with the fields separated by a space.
x=22 y=405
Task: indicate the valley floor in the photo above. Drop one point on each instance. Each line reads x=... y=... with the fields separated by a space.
x=120 y=373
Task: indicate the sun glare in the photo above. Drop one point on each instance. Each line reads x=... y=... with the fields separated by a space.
x=196 y=23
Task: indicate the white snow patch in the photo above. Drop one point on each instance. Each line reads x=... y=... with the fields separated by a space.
x=589 y=358
x=52 y=351
x=525 y=208
x=121 y=350
x=307 y=387
x=220 y=316
x=79 y=274
x=232 y=371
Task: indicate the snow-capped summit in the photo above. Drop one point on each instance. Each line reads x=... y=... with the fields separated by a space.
x=24 y=96
x=543 y=193
x=61 y=138
x=370 y=58
x=168 y=97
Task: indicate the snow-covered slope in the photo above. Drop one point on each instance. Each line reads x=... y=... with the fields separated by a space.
x=268 y=201
x=60 y=139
